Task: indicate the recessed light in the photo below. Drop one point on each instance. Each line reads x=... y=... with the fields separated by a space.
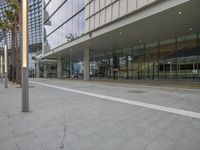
x=120 y=33
x=191 y=29
x=179 y=12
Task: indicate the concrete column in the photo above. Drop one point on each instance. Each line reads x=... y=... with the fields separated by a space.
x=170 y=71
x=59 y=68
x=45 y=70
x=70 y=64
x=194 y=71
x=37 y=69
x=86 y=61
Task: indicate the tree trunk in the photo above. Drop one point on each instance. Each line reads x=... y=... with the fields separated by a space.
x=16 y=48
x=13 y=57
x=19 y=46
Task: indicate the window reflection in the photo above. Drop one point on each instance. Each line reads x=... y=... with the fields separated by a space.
x=174 y=59
x=67 y=23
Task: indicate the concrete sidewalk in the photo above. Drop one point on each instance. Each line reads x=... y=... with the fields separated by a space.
x=70 y=121
x=155 y=83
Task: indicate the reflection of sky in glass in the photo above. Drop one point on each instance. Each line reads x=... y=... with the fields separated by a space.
x=34 y=22
x=74 y=27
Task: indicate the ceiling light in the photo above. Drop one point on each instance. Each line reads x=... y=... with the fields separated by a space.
x=120 y=33
x=179 y=12
x=191 y=29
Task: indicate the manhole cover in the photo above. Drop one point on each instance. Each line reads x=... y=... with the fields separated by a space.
x=137 y=91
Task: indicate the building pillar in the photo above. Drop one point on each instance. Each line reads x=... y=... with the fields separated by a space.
x=37 y=69
x=86 y=61
x=115 y=65
x=45 y=70
x=198 y=60
x=194 y=71
x=158 y=63
x=59 y=68
x=170 y=71
x=70 y=64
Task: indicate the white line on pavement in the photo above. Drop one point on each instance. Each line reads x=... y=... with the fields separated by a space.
x=136 y=103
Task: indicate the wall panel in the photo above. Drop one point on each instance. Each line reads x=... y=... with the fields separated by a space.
x=105 y=11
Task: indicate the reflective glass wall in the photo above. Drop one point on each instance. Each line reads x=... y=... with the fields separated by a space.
x=172 y=59
x=64 y=22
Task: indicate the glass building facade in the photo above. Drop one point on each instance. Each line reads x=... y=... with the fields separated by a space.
x=3 y=7
x=64 y=22
x=171 y=59
x=34 y=25
x=175 y=56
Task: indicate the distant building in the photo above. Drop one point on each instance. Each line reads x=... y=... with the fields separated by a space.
x=34 y=28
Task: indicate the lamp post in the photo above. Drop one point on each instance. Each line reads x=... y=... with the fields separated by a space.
x=5 y=65
x=1 y=69
x=24 y=39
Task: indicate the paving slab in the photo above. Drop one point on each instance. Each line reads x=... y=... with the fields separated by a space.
x=63 y=120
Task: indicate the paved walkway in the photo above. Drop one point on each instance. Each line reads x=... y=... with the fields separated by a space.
x=157 y=83
x=78 y=115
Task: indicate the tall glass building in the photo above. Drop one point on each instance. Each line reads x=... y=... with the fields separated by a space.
x=3 y=7
x=35 y=27
x=122 y=39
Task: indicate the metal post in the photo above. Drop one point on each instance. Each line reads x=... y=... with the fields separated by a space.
x=5 y=65
x=24 y=38
x=1 y=69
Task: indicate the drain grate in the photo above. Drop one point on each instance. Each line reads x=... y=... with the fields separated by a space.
x=137 y=91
